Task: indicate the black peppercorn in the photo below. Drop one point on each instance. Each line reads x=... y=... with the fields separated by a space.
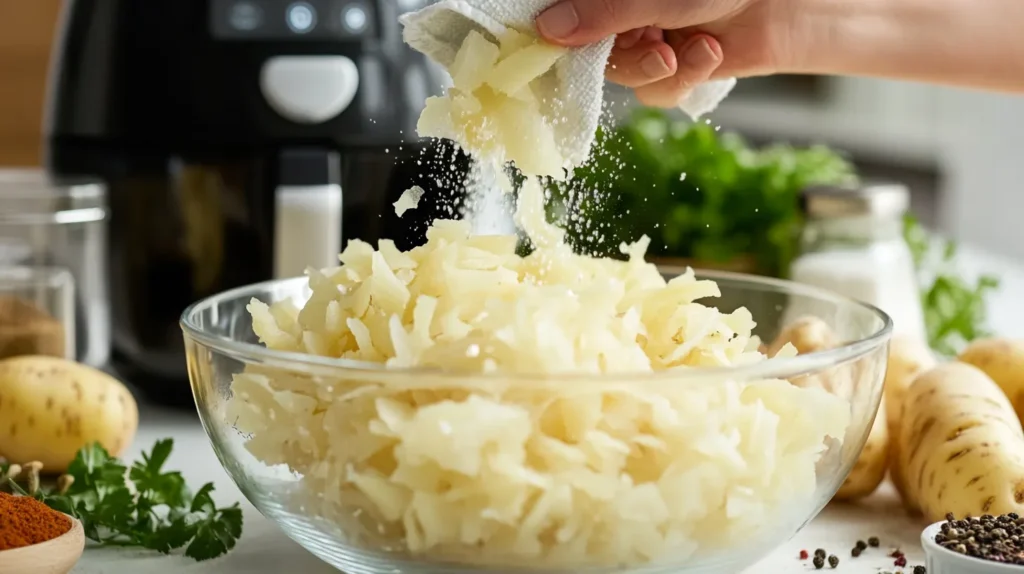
x=920 y=570
x=874 y=542
x=862 y=545
x=856 y=551
x=819 y=562
x=820 y=553
x=833 y=561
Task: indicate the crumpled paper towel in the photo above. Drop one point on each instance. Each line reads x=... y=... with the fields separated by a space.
x=439 y=30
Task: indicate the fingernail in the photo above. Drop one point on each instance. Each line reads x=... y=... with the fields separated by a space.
x=654 y=65
x=559 y=21
x=700 y=55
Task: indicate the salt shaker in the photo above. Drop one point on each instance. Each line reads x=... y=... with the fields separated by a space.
x=853 y=245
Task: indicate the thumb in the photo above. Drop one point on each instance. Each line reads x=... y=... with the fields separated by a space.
x=579 y=22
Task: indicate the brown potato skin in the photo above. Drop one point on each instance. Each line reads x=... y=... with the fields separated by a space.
x=908 y=358
x=1002 y=360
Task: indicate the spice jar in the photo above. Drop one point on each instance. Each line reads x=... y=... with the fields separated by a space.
x=51 y=224
x=853 y=245
x=37 y=312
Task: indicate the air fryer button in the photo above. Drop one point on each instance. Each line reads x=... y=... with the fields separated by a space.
x=245 y=16
x=354 y=18
x=309 y=89
x=293 y=20
x=301 y=17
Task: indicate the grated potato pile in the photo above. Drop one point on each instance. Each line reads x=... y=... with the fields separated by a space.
x=500 y=467
x=493 y=110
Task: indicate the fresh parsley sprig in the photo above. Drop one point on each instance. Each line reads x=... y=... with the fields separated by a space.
x=955 y=310
x=144 y=505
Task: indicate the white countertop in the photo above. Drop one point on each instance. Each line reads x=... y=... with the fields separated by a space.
x=264 y=549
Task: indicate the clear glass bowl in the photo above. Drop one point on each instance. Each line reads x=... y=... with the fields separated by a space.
x=220 y=344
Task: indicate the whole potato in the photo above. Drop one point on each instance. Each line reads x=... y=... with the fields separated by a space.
x=51 y=407
x=908 y=357
x=807 y=334
x=810 y=334
x=961 y=445
x=869 y=470
x=1003 y=361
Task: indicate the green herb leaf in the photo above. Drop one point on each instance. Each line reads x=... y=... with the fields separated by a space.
x=176 y=534
x=955 y=311
x=95 y=472
x=158 y=487
x=217 y=528
x=144 y=505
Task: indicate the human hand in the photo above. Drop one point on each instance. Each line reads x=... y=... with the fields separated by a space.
x=664 y=48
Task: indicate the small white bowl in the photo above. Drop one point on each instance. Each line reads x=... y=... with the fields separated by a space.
x=942 y=561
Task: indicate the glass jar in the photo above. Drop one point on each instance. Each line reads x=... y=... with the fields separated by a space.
x=853 y=244
x=61 y=225
x=37 y=312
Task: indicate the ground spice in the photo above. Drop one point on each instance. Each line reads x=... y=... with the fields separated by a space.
x=25 y=521
x=25 y=329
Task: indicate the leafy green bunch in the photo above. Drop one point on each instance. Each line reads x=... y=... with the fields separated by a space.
x=697 y=193
x=143 y=505
x=955 y=309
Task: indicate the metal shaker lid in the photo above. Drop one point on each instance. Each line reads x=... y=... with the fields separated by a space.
x=882 y=200
x=31 y=196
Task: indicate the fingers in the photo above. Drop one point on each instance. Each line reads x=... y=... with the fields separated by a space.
x=579 y=22
x=697 y=59
x=643 y=64
x=630 y=38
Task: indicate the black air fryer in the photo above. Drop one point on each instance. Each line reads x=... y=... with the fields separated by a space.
x=241 y=140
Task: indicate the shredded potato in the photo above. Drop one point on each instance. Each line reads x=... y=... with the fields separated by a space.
x=410 y=200
x=485 y=454
x=493 y=110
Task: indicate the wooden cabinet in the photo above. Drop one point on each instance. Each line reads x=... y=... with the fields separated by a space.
x=26 y=34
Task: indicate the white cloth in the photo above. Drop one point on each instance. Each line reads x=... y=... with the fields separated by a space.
x=439 y=29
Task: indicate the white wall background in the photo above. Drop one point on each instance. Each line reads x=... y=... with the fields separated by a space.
x=983 y=145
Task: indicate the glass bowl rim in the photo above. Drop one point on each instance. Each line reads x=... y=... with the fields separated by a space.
x=772 y=368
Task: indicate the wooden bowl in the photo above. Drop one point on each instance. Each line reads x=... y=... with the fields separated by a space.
x=57 y=556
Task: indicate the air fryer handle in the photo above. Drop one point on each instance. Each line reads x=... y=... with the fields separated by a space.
x=307 y=211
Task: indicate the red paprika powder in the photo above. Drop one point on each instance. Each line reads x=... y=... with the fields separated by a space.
x=25 y=521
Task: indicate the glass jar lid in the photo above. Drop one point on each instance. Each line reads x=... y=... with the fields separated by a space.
x=875 y=200
x=32 y=197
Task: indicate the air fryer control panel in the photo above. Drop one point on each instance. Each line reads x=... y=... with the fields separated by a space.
x=330 y=20
x=210 y=74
